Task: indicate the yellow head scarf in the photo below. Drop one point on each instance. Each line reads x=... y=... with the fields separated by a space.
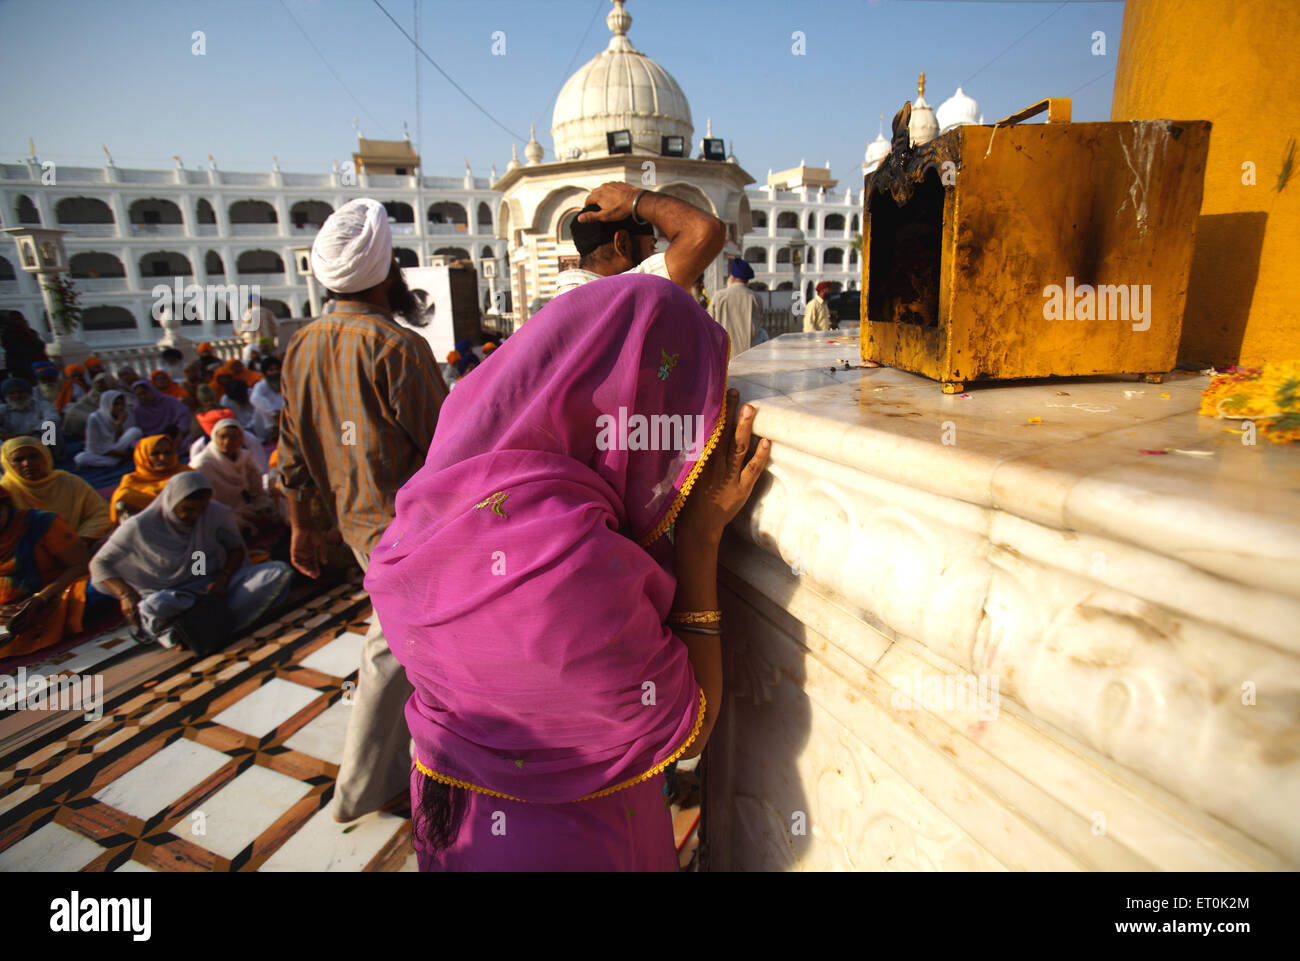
x=58 y=492
x=139 y=488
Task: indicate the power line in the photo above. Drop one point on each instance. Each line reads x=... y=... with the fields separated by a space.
x=464 y=93
x=1091 y=82
x=568 y=71
x=1013 y=43
x=309 y=40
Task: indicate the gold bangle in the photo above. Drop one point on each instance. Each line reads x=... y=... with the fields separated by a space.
x=694 y=617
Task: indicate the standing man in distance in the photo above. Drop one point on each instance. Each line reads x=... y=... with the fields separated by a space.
x=737 y=309
x=817 y=316
x=361 y=398
x=615 y=234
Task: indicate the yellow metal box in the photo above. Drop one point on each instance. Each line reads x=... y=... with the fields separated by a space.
x=1034 y=250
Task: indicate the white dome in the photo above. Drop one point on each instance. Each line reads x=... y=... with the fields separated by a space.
x=619 y=89
x=877 y=151
x=922 y=128
x=957 y=110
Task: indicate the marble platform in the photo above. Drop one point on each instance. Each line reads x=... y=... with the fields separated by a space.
x=999 y=631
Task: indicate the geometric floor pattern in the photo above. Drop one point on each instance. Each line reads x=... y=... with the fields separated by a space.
x=221 y=764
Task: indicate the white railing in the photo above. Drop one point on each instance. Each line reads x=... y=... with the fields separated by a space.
x=207 y=230
x=100 y=283
x=89 y=230
x=158 y=230
x=9 y=287
x=436 y=228
x=404 y=229
x=304 y=230
x=254 y=230
x=785 y=232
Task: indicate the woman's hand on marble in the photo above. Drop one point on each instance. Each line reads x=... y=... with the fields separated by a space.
x=728 y=478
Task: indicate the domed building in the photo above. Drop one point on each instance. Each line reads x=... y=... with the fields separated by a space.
x=620 y=117
x=957 y=110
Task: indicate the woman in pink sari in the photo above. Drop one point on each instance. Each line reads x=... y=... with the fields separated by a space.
x=563 y=652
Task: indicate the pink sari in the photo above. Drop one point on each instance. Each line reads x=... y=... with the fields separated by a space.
x=517 y=584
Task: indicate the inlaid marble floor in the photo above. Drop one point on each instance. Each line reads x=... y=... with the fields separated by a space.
x=220 y=764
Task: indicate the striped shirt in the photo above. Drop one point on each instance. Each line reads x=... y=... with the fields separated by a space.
x=361 y=400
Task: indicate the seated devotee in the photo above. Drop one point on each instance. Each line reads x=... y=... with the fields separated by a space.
x=615 y=234
x=268 y=400
x=235 y=400
x=47 y=382
x=157 y=413
x=23 y=346
x=126 y=380
x=34 y=484
x=236 y=478
x=44 y=592
x=155 y=464
x=25 y=415
x=540 y=716
x=209 y=419
x=255 y=354
x=94 y=367
x=73 y=388
x=76 y=415
x=208 y=367
x=148 y=563
x=193 y=381
x=236 y=368
x=111 y=434
x=163 y=381
x=173 y=363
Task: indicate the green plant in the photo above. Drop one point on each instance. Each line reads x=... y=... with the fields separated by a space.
x=67 y=303
x=857 y=243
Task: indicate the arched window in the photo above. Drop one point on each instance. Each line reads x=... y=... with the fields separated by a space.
x=566 y=226
x=756 y=255
x=759 y=218
x=853 y=258
x=91 y=263
x=834 y=222
x=203 y=212
x=487 y=254
x=277 y=307
x=164 y=263
x=154 y=211
x=456 y=253
x=757 y=285
x=785 y=285
x=252 y=212
x=7 y=270
x=83 y=210
x=213 y=265
x=833 y=256
x=787 y=219
x=447 y=212
x=406 y=257
x=856 y=222
x=484 y=215
x=782 y=255
x=812 y=221
x=259 y=262
x=107 y=318
x=398 y=212
x=26 y=211
x=309 y=213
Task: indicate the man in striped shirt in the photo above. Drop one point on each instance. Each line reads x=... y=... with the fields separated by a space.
x=361 y=399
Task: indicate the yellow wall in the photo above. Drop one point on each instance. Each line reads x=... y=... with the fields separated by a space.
x=1235 y=63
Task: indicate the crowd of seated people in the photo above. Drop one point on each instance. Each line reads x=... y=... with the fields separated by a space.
x=69 y=555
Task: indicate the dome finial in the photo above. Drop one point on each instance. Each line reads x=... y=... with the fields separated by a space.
x=533 y=149
x=618 y=20
x=920 y=87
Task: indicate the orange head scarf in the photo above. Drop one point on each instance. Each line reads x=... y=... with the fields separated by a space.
x=76 y=376
x=210 y=418
x=163 y=381
x=138 y=489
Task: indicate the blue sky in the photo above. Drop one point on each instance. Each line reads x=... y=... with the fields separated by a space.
x=81 y=73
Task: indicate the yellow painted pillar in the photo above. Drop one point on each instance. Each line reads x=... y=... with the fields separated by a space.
x=1237 y=65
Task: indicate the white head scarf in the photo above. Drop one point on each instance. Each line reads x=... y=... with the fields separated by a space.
x=106 y=401
x=354 y=248
x=153 y=550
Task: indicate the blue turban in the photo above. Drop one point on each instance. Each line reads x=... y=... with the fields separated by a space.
x=741 y=270
x=12 y=384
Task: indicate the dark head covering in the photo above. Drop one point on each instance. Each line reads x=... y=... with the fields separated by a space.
x=588 y=236
x=741 y=270
x=14 y=383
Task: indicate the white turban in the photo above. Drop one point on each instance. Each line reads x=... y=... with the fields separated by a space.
x=354 y=249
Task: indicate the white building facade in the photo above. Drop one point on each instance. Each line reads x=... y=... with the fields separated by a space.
x=130 y=230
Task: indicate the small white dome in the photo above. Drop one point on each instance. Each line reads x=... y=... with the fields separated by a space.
x=877 y=151
x=619 y=89
x=533 y=150
x=957 y=110
x=922 y=128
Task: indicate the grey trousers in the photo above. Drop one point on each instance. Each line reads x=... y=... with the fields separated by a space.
x=376 y=762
